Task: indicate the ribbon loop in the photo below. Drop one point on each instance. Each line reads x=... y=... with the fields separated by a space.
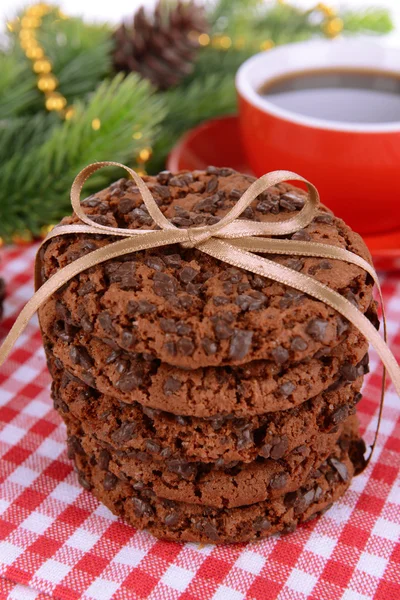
x=231 y=240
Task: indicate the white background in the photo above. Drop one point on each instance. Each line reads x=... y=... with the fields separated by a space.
x=114 y=10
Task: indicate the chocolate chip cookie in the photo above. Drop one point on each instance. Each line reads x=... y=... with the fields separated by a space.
x=188 y=309
x=137 y=503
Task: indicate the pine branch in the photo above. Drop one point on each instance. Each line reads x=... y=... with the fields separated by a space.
x=203 y=99
x=36 y=180
x=80 y=55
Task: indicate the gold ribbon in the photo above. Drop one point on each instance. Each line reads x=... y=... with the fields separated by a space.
x=231 y=240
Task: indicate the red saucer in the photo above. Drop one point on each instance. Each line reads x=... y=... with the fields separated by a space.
x=217 y=142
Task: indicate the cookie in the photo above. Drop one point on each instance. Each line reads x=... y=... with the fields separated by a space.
x=188 y=309
x=246 y=390
x=236 y=484
x=220 y=439
x=179 y=521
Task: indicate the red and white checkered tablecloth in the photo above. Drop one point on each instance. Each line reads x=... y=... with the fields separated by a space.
x=58 y=541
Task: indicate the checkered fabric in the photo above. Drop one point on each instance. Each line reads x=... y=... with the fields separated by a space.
x=58 y=541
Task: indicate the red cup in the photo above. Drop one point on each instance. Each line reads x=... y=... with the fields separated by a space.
x=355 y=166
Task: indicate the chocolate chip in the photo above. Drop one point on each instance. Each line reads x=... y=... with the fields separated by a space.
x=278 y=481
x=220 y=300
x=128 y=339
x=171 y=385
x=211 y=170
x=295 y=263
x=153 y=262
x=304 y=501
x=291 y=296
x=222 y=330
x=324 y=218
x=104 y=459
x=352 y=298
x=170 y=347
x=280 y=355
x=316 y=329
x=302 y=236
x=172 y=260
x=168 y=325
x=124 y=433
x=182 y=221
x=109 y=481
x=240 y=344
x=245 y=439
x=163 y=191
x=265 y=450
x=187 y=274
x=208 y=205
x=163 y=177
x=88 y=378
x=212 y=185
x=279 y=447
x=226 y=172
x=141 y=507
x=209 y=530
x=255 y=301
x=83 y=481
x=126 y=205
x=340 y=414
x=153 y=447
x=80 y=356
x=185 y=346
x=209 y=346
x=348 y=371
x=294 y=198
x=298 y=344
x=171 y=519
x=287 y=388
x=261 y=524
x=235 y=194
x=342 y=325
x=129 y=382
x=340 y=468
x=121 y=365
x=106 y=322
x=182 y=468
x=74 y=447
x=145 y=307
x=86 y=324
x=86 y=288
x=164 y=284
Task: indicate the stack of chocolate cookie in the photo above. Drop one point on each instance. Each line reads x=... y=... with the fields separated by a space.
x=203 y=402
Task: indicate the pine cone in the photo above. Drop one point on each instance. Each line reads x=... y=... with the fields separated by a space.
x=161 y=47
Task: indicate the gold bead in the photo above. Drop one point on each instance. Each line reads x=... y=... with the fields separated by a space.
x=26 y=34
x=333 y=27
x=46 y=229
x=141 y=172
x=55 y=101
x=69 y=113
x=138 y=135
x=266 y=45
x=42 y=66
x=204 y=39
x=1 y=242
x=47 y=83
x=328 y=11
x=144 y=155
x=96 y=124
x=23 y=237
x=30 y=22
x=34 y=53
x=225 y=42
x=38 y=10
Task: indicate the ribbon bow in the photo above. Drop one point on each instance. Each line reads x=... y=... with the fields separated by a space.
x=231 y=240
